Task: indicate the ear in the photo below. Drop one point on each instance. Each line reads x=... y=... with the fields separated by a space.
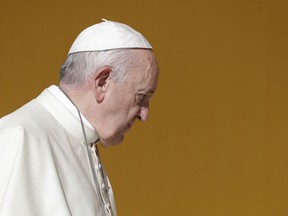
x=101 y=83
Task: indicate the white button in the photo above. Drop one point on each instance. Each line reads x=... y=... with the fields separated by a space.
x=103 y=186
x=99 y=166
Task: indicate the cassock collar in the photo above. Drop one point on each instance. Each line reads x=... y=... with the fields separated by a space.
x=54 y=100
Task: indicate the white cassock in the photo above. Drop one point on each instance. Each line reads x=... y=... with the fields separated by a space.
x=45 y=168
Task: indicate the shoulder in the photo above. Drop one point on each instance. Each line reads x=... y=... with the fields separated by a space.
x=27 y=131
x=31 y=115
x=30 y=124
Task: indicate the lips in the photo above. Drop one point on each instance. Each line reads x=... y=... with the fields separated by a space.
x=126 y=129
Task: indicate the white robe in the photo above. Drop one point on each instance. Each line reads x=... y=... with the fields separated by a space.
x=44 y=165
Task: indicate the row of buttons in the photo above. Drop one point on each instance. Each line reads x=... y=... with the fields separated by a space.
x=101 y=180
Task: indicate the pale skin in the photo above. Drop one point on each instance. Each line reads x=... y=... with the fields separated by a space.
x=112 y=106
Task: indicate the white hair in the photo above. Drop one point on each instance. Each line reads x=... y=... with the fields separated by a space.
x=80 y=66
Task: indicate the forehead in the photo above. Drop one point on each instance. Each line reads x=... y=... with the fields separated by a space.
x=145 y=73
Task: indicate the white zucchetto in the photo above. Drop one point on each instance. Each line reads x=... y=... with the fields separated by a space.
x=108 y=35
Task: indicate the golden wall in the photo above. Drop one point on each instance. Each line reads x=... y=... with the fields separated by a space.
x=216 y=141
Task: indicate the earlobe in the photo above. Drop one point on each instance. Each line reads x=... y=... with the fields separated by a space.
x=101 y=83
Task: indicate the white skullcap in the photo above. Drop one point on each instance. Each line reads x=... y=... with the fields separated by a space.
x=108 y=35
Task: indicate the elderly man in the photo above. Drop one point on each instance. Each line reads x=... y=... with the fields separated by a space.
x=49 y=161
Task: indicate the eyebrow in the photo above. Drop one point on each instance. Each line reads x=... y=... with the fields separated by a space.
x=144 y=91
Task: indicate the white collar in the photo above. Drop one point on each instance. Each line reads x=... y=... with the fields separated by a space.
x=53 y=89
x=66 y=114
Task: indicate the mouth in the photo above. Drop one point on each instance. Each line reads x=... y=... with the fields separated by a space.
x=127 y=128
x=129 y=125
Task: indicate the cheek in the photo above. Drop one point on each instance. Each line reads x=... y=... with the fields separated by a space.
x=134 y=112
x=122 y=110
x=126 y=116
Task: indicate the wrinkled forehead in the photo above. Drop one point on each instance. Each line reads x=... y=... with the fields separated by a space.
x=149 y=72
x=144 y=73
x=147 y=61
x=146 y=56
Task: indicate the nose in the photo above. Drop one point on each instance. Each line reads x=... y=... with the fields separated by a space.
x=143 y=114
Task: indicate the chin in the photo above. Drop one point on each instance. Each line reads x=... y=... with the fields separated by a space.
x=112 y=141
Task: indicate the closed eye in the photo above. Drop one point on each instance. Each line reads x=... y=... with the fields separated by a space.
x=141 y=99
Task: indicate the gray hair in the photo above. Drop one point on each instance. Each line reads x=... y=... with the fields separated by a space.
x=80 y=66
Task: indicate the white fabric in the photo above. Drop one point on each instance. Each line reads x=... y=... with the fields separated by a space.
x=108 y=35
x=53 y=89
x=44 y=169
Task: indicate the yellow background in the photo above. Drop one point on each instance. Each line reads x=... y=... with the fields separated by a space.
x=216 y=141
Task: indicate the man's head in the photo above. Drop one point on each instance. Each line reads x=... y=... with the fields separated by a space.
x=111 y=87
